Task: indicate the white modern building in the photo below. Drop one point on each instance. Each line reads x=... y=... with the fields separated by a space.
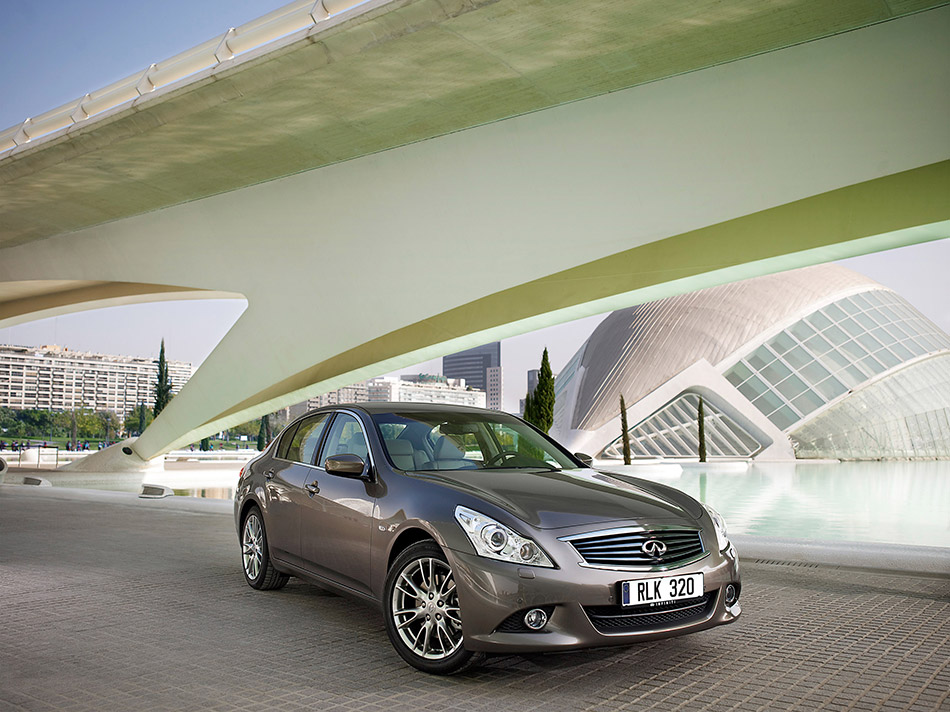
x=424 y=388
x=417 y=388
x=818 y=362
x=355 y=393
x=55 y=378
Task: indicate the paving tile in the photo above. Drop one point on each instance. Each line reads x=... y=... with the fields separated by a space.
x=111 y=607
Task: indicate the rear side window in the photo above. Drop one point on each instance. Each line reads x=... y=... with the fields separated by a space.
x=285 y=441
x=304 y=444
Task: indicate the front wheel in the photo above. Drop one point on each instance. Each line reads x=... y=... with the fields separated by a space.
x=259 y=572
x=422 y=613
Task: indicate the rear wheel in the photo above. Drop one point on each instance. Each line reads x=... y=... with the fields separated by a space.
x=422 y=613
x=259 y=572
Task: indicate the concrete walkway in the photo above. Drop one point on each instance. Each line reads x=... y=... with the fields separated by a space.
x=114 y=603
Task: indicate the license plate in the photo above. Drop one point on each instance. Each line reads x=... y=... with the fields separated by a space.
x=658 y=590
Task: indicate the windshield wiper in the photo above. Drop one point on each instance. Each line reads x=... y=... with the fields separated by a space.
x=545 y=467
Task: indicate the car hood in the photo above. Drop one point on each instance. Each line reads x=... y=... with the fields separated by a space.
x=569 y=498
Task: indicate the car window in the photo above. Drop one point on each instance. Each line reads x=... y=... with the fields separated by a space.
x=460 y=445
x=345 y=438
x=304 y=444
x=465 y=440
x=286 y=439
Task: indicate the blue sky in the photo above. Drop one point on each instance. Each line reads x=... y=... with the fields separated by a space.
x=51 y=53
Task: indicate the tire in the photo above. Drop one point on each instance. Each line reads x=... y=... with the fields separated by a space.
x=259 y=572
x=422 y=614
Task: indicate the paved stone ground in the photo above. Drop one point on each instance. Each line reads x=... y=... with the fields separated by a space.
x=118 y=605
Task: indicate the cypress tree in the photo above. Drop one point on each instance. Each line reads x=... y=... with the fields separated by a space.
x=163 y=387
x=544 y=395
x=528 y=408
x=626 y=434
x=702 y=431
x=262 y=435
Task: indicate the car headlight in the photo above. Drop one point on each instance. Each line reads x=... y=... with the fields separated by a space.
x=722 y=536
x=496 y=541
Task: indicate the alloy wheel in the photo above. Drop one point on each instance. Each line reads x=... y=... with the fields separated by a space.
x=252 y=546
x=425 y=609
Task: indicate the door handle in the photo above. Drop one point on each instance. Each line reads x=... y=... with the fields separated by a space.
x=269 y=475
x=313 y=488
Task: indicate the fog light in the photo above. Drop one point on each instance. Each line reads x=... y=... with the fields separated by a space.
x=731 y=594
x=535 y=619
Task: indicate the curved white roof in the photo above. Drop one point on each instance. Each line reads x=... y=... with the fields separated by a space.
x=636 y=350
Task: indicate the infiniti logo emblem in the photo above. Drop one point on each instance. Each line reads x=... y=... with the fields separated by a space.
x=654 y=548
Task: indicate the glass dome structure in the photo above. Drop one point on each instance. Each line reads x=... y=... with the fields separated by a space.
x=819 y=362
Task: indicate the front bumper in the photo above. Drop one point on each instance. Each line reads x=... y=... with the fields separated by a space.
x=491 y=591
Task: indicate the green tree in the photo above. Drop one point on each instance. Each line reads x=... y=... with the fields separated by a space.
x=88 y=425
x=110 y=424
x=138 y=420
x=7 y=418
x=543 y=399
x=61 y=424
x=250 y=429
x=701 y=417
x=10 y=425
x=262 y=434
x=36 y=422
x=163 y=387
x=625 y=433
x=528 y=408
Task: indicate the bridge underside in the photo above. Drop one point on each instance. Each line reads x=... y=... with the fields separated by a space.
x=819 y=151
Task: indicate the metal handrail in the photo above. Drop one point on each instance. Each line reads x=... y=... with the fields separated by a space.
x=294 y=16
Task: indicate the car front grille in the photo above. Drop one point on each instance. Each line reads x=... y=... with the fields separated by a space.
x=623 y=547
x=637 y=619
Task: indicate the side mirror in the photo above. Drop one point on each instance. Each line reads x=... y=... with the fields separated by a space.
x=346 y=465
x=585 y=458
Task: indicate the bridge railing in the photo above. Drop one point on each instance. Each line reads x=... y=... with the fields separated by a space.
x=289 y=18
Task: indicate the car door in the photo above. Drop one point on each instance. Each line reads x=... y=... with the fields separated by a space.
x=287 y=475
x=337 y=519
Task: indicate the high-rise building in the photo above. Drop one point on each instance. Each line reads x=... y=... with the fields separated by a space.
x=532 y=385
x=533 y=379
x=473 y=364
x=55 y=378
x=494 y=393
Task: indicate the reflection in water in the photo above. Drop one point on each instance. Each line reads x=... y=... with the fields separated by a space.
x=894 y=502
x=207 y=492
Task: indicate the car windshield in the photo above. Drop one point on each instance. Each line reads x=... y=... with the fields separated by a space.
x=463 y=440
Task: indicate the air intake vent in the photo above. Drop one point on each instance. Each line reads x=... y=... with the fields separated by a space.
x=620 y=619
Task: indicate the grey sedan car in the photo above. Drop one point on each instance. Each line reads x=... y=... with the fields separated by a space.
x=475 y=533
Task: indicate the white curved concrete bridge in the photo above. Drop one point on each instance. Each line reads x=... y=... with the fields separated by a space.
x=408 y=178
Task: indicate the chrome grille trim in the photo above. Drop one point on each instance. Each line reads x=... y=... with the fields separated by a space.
x=619 y=549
